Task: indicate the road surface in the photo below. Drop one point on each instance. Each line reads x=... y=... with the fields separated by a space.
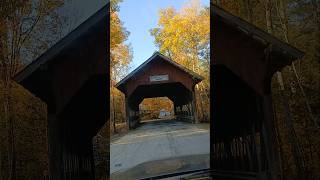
x=159 y=147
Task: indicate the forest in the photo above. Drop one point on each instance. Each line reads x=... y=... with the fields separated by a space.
x=23 y=125
x=184 y=36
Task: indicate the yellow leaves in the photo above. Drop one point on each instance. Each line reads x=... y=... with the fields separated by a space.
x=30 y=124
x=120 y=56
x=151 y=107
x=117 y=34
x=183 y=34
x=165 y=15
x=120 y=53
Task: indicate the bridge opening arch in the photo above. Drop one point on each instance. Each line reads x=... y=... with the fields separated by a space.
x=180 y=96
x=157 y=108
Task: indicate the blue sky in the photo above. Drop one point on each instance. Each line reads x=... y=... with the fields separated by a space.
x=139 y=16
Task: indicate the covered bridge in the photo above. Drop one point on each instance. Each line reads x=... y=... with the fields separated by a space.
x=244 y=59
x=72 y=78
x=160 y=76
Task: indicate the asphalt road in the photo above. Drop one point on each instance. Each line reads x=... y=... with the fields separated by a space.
x=159 y=147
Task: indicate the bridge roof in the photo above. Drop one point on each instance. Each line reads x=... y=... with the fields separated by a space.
x=256 y=33
x=68 y=42
x=248 y=51
x=61 y=71
x=196 y=77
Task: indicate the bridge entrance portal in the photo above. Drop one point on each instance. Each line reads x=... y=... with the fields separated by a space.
x=159 y=76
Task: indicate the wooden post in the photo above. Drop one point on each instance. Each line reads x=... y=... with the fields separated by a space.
x=175 y=110
x=269 y=137
x=92 y=165
x=54 y=148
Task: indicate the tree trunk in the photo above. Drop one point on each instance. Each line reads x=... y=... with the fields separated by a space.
x=284 y=24
x=10 y=131
x=284 y=99
x=280 y=142
x=113 y=114
x=200 y=104
x=268 y=17
x=218 y=2
x=249 y=13
x=296 y=149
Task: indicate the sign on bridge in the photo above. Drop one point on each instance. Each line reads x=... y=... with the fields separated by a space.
x=159 y=78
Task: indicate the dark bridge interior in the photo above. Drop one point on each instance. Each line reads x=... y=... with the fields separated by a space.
x=237 y=124
x=176 y=92
x=80 y=121
x=236 y=104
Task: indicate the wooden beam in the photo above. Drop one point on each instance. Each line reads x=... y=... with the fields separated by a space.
x=269 y=137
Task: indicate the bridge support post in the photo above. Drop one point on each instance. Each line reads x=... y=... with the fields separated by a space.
x=54 y=147
x=269 y=137
x=69 y=158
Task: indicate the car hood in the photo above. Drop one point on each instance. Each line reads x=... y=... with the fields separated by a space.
x=164 y=167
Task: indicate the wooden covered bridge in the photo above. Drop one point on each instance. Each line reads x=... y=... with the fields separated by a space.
x=72 y=78
x=244 y=59
x=160 y=76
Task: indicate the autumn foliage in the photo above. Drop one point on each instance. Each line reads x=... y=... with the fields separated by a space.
x=23 y=117
x=296 y=99
x=184 y=36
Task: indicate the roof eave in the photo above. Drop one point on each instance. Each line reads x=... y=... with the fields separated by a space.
x=193 y=74
x=257 y=34
x=54 y=50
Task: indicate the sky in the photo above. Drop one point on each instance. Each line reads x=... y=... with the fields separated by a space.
x=76 y=11
x=138 y=17
x=79 y=10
